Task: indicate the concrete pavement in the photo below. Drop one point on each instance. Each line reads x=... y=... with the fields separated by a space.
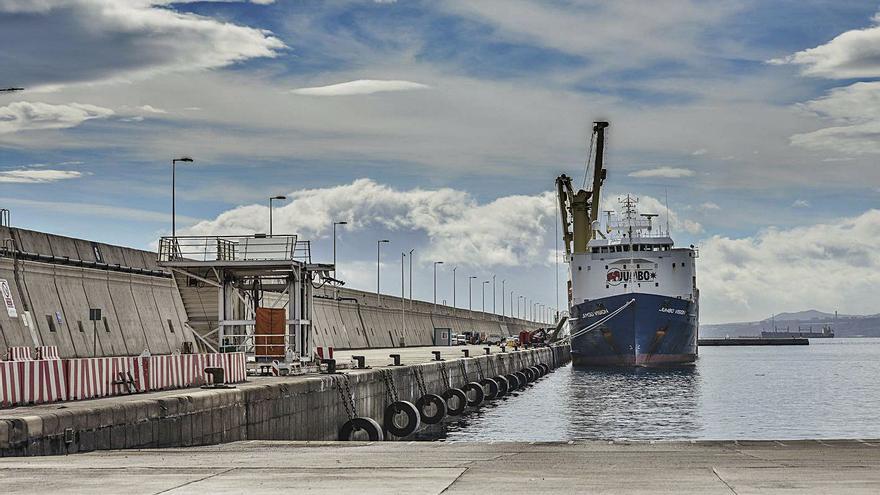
x=436 y=467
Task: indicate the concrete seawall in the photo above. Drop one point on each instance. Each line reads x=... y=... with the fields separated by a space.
x=307 y=407
x=56 y=279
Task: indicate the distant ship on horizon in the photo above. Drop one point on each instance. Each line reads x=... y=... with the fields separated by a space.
x=826 y=333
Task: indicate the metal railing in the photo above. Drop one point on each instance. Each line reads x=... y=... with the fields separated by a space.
x=234 y=248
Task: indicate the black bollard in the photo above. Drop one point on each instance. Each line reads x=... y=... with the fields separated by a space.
x=466 y=352
x=361 y=362
x=436 y=355
x=331 y=365
x=396 y=358
x=488 y=350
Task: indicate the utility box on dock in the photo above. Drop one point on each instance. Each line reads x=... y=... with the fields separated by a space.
x=442 y=336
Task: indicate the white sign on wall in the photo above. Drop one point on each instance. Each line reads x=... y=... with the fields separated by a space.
x=7 y=298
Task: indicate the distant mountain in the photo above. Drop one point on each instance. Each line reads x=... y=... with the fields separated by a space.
x=810 y=314
x=843 y=325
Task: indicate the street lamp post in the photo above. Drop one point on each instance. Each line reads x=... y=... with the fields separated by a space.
x=378 y=270
x=484 y=295
x=453 y=289
x=518 y=311
x=334 y=245
x=270 y=212
x=502 y=297
x=493 y=295
x=174 y=161
x=435 y=282
x=470 y=294
x=410 y=277
x=511 y=304
x=402 y=295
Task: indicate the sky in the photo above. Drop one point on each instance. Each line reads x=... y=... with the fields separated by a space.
x=441 y=126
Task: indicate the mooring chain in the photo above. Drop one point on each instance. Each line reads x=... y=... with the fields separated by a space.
x=390 y=389
x=464 y=372
x=445 y=374
x=346 y=396
x=480 y=370
x=420 y=380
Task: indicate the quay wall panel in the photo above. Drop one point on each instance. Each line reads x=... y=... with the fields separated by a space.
x=12 y=332
x=292 y=408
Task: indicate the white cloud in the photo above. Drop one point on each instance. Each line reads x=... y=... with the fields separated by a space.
x=360 y=87
x=699 y=152
x=668 y=29
x=29 y=176
x=25 y=115
x=110 y=40
x=507 y=231
x=853 y=54
x=854 y=111
x=709 y=206
x=801 y=203
x=151 y=109
x=665 y=172
x=829 y=265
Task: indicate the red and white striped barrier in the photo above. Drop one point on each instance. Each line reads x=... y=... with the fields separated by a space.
x=89 y=378
x=48 y=380
x=233 y=364
x=31 y=382
x=324 y=352
x=47 y=352
x=176 y=371
x=16 y=353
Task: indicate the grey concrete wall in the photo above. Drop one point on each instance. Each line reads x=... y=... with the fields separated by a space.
x=286 y=408
x=368 y=323
x=137 y=307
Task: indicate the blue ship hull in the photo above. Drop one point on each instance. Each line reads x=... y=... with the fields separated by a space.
x=653 y=330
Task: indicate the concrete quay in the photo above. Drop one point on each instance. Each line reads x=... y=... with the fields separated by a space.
x=304 y=407
x=722 y=467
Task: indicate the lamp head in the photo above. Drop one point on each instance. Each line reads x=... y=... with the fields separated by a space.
x=278 y=197
x=183 y=159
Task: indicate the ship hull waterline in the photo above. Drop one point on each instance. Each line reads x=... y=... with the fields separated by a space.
x=653 y=330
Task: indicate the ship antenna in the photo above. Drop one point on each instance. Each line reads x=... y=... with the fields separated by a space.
x=667 y=210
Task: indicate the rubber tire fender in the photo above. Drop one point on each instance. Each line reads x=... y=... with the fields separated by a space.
x=357 y=424
x=412 y=416
x=462 y=401
x=479 y=393
x=537 y=371
x=493 y=388
x=522 y=377
x=438 y=402
x=530 y=374
x=513 y=382
x=545 y=368
x=503 y=386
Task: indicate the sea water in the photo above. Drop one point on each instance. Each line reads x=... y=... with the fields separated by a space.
x=829 y=389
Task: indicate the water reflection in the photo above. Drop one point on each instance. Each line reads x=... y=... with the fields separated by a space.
x=587 y=404
x=636 y=403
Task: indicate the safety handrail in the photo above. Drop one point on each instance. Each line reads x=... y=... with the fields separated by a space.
x=602 y=321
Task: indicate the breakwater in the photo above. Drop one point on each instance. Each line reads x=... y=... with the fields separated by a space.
x=307 y=407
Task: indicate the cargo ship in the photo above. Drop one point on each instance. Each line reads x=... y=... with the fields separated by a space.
x=808 y=333
x=632 y=295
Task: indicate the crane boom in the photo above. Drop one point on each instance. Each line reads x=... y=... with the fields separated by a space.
x=579 y=210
